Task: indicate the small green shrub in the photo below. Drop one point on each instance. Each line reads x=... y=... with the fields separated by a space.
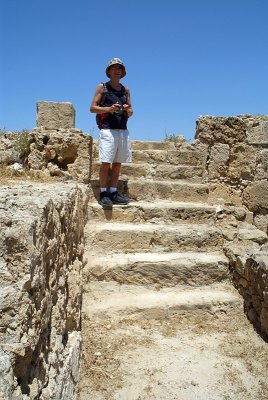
x=173 y=137
x=23 y=144
x=170 y=137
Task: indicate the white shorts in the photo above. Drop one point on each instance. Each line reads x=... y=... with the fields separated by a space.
x=114 y=146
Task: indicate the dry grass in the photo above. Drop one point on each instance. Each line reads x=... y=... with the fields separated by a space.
x=11 y=177
x=101 y=366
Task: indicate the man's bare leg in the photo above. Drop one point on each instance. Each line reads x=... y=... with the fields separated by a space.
x=104 y=171
x=114 y=195
x=104 y=195
x=115 y=174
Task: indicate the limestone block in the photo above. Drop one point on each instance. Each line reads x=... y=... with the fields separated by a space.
x=167 y=171
x=188 y=154
x=242 y=162
x=223 y=194
x=64 y=153
x=36 y=159
x=8 y=153
x=159 y=189
x=55 y=170
x=218 y=161
x=238 y=253
x=262 y=165
x=228 y=130
x=165 y=145
x=201 y=237
x=248 y=232
x=257 y=132
x=6 y=377
x=261 y=220
x=255 y=196
x=95 y=149
x=55 y=115
x=149 y=156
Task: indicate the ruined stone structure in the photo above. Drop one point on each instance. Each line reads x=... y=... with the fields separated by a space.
x=196 y=226
x=65 y=153
x=237 y=156
x=42 y=245
x=237 y=159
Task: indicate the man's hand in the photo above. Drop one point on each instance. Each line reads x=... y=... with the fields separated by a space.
x=115 y=107
x=128 y=109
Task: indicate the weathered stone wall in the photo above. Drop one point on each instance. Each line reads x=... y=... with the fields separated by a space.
x=65 y=153
x=254 y=287
x=249 y=268
x=55 y=147
x=8 y=152
x=41 y=257
x=237 y=164
x=237 y=157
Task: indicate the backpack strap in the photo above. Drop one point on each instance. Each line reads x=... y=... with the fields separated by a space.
x=104 y=91
x=126 y=90
x=100 y=117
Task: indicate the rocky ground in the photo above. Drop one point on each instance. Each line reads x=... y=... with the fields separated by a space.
x=215 y=356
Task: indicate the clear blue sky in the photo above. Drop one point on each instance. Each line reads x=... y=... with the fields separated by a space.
x=184 y=58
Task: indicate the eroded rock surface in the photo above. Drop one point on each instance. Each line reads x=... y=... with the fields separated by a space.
x=41 y=257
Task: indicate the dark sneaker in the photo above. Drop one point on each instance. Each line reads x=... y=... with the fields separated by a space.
x=118 y=198
x=105 y=199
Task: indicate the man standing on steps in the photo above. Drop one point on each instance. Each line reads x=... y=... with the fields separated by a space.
x=112 y=105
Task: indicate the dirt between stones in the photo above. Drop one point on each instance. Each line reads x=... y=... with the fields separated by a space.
x=214 y=357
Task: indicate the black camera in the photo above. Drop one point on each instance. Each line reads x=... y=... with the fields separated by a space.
x=120 y=111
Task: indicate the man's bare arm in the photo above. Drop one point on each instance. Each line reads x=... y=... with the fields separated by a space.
x=96 y=108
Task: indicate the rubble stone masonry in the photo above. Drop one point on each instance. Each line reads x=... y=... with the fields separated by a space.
x=237 y=158
x=41 y=256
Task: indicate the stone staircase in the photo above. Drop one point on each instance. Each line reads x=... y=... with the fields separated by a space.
x=157 y=288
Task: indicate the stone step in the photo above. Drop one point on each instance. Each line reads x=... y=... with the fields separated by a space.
x=151 y=145
x=126 y=237
x=150 y=190
x=161 y=171
x=144 y=145
x=110 y=299
x=163 y=269
x=164 y=210
x=182 y=156
x=141 y=145
x=187 y=351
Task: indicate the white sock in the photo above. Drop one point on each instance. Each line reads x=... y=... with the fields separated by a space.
x=103 y=190
x=113 y=189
